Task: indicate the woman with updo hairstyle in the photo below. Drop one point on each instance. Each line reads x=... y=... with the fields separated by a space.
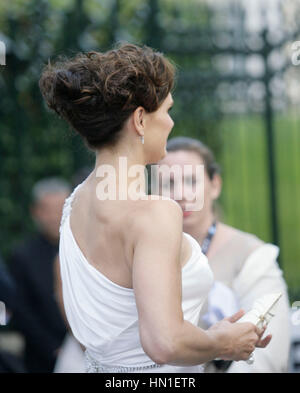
x=133 y=283
x=244 y=267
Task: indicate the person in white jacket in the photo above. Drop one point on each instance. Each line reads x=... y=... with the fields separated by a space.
x=245 y=268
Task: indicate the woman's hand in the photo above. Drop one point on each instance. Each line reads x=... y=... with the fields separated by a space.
x=238 y=341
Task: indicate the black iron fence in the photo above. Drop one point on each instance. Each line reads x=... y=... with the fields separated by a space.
x=233 y=92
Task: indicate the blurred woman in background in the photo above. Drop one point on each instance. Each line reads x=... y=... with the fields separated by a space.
x=244 y=267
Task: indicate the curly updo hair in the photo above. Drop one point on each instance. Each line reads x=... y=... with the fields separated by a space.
x=97 y=92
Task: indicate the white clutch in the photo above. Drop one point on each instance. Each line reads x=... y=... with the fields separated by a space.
x=262 y=312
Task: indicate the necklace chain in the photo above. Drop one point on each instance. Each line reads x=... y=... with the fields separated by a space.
x=210 y=234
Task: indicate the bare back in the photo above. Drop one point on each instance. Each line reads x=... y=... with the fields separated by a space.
x=105 y=233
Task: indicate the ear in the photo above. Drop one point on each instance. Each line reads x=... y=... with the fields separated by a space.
x=138 y=118
x=216 y=186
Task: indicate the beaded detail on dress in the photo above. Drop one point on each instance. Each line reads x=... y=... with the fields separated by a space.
x=67 y=207
x=93 y=366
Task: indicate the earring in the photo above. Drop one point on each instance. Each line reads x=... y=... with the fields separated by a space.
x=143 y=141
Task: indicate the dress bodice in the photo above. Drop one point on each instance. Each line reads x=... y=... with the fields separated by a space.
x=103 y=315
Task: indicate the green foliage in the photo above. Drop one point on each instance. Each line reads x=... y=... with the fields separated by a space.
x=33 y=142
x=245 y=196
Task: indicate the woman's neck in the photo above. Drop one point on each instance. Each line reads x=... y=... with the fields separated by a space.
x=121 y=171
x=199 y=231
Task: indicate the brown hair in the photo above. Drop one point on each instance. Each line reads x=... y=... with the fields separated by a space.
x=97 y=92
x=191 y=144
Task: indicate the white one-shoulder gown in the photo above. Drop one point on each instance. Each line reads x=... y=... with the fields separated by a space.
x=103 y=315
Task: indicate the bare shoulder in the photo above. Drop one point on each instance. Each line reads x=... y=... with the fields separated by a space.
x=157 y=207
x=156 y=214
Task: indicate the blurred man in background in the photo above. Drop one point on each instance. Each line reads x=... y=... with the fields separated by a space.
x=31 y=265
x=9 y=362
